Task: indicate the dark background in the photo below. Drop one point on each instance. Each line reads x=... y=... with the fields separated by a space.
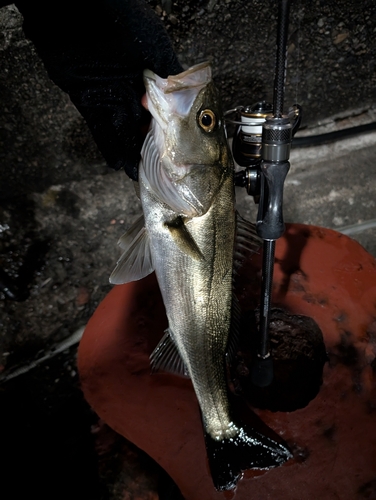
x=62 y=210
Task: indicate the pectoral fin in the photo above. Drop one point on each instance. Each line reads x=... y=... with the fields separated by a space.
x=166 y=357
x=136 y=261
x=183 y=238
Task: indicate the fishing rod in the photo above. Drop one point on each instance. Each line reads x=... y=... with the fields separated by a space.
x=261 y=145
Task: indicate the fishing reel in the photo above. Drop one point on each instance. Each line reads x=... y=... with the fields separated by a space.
x=261 y=147
x=247 y=144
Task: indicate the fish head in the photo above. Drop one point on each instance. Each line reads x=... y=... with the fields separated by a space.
x=189 y=135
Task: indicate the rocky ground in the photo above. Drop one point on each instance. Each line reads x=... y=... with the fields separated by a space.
x=62 y=212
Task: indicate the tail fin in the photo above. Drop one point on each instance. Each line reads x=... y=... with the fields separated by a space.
x=248 y=450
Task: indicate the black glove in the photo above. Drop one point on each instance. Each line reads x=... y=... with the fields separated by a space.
x=96 y=51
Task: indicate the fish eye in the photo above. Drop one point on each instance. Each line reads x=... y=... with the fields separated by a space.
x=207 y=120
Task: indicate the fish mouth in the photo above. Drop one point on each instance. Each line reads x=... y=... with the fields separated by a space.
x=176 y=93
x=196 y=76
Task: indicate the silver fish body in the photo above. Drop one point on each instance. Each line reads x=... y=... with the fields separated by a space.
x=197 y=288
x=187 y=195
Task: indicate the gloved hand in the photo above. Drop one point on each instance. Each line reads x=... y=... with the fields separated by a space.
x=96 y=51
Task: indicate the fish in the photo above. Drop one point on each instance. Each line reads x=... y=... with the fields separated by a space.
x=191 y=235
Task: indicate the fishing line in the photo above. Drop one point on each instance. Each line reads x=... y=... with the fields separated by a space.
x=58 y=348
x=357 y=228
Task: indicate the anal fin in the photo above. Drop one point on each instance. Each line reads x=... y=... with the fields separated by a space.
x=166 y=357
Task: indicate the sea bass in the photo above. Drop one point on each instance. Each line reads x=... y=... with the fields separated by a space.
x=188 y=234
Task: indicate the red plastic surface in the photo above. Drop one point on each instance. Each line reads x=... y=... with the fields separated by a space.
x=319 y=273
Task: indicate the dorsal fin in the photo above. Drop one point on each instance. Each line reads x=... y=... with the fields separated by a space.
x=136 y=261
x=166 y=357
x=247 y=242
x=183 y=238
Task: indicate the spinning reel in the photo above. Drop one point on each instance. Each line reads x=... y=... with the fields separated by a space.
x=261 y=146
